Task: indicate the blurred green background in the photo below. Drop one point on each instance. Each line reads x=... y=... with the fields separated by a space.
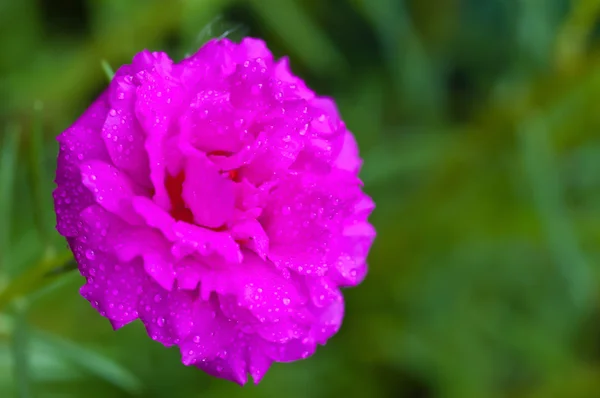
x=479 y=123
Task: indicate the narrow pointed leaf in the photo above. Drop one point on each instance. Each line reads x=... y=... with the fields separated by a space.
x=20 y=353
x=92 y=361
x=33 y=278
x=107 y=70
x=37 y=173
x=8 y=161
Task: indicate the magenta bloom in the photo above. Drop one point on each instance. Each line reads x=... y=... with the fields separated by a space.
x=218 y=201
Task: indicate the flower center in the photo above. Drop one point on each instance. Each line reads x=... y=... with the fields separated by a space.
x=233 y=175
x=179 y=209
x=174 y=187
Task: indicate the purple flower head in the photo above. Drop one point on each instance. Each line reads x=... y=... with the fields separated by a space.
x=217 y=200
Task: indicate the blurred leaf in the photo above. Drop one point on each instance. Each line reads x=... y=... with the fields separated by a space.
x=216 y=29
x=37 y=173
x=108 y=71
x=202 y=21
x=18 y=18
x=34 y=277
x=44 y=364
x=8 y=161
x=7 y=324
x=407 y=154
x=20 y=350
x=70 y=266
x=412 y=70
x=363 y=109
x=571 y=41
x=576 y=381
x=535 y=33
x=92 y=361
x=25 y=250
x=61 y=81
x=55 y=285
x=540 y=166
x=303 y=36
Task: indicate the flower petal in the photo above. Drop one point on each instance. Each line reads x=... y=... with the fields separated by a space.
x=151 y=247
x=77 y=144
x=122 y=133
x=112 y=189
x=193 y=239
x=112 y=287
x=208 y=194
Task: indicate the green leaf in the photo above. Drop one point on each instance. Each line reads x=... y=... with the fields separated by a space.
x=69 y=266
x=43 y=364
x=37 y=173
x=540 y=167
x=413 y=71
x=572 y=38
x=34 y=277
x=535 y=33
x=91 y=361
x=55 y=284
x=217 y=28
x=8 y=161
x=20 y=351
x=407 y=155
x=302 y=35
x=203 y=21
x=363 y=109
x=108 y=71
x=7 y=325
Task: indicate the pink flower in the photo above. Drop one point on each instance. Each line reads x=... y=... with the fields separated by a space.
x=217 y=200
